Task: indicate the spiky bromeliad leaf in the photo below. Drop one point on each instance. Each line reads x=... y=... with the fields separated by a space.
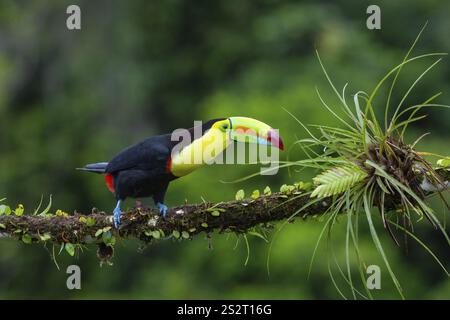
x=337 y=180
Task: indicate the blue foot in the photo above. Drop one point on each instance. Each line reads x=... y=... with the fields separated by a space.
x=162 y=209
x=117 y=213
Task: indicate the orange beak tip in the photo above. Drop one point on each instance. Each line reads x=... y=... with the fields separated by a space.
x=275 y=140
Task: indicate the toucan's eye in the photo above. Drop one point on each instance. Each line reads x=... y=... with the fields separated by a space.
x=225 y=126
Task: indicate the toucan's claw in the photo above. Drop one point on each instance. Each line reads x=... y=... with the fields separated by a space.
x=162 y=209
x=117 y=214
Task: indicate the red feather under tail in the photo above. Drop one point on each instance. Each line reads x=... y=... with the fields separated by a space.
x=110 y=182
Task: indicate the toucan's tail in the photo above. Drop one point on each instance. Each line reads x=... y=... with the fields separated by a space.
x=98 y=167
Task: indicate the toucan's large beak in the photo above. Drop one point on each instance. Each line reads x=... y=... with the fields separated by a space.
x=254 y=131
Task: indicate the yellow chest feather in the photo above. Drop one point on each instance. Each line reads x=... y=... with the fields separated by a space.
x=198 y=153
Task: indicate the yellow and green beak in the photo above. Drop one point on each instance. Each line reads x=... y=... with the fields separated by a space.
x=243 y=129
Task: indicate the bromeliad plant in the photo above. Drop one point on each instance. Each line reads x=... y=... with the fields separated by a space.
x=367 y=167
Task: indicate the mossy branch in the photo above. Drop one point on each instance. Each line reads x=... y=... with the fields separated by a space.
x=141 y=223
x=183 y=221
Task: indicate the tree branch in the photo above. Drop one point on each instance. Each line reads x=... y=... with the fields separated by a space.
x=141 y=223
x=185 y=221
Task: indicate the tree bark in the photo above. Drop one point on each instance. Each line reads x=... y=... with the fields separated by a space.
x=187 y=220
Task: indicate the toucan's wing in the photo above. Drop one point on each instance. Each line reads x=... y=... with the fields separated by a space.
x=151 y=154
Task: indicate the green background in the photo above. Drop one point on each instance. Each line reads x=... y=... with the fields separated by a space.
x=140 y=68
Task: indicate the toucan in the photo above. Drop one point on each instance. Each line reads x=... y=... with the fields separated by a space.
x=146 y=168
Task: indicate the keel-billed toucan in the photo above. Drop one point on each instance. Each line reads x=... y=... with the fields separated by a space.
x=146 y=168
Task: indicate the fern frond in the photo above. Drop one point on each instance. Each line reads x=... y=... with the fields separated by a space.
x=444 y=163
x=337 y=180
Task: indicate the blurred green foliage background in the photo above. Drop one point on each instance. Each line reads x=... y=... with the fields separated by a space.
x=139 y=68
